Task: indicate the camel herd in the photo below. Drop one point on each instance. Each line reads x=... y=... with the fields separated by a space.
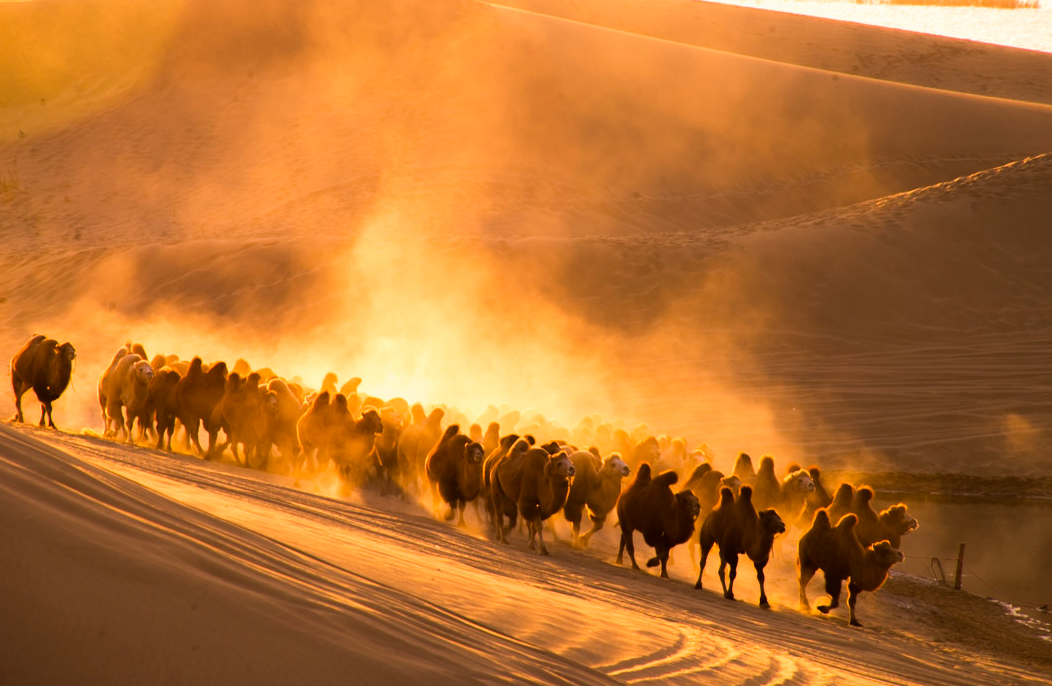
x=266 y=422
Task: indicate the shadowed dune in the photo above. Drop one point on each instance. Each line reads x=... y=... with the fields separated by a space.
x=221 y=575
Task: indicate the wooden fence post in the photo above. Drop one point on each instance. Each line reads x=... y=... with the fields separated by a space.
x=960 y=566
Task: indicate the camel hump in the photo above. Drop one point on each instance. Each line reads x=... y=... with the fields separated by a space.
x=643 y=475
x=726 y=497
x=451 y=431
x=821 y=520
x=745 y=494
x=666 y=478
x=847 y=522
x=699 y=472
x=321 y=400
x=864 y=494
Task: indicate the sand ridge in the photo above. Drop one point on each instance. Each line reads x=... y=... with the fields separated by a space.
x=319 y=567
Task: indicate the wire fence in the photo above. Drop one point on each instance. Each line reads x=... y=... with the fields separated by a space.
x=937 y=572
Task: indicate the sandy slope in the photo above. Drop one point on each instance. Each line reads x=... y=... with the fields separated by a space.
x=759 y=231
x=166 y=569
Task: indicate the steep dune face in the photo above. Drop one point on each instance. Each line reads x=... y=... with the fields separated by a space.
x=403 y=193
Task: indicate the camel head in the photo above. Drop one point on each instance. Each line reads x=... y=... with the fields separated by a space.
x=614 y=467
x=688 y=503
x=885 y=555
x=372 y=421
x=799 y=482
x=771 y=522
x=66 y=352
x=142 y=372
x=473 y=453
x=560 y=466
x=899 y=519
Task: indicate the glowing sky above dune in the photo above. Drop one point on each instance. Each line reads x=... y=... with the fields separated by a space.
x=1030 y=29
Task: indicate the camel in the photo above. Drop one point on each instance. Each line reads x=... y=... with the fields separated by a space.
x=162 y=398
x=537 y=483
x=665 y=519
x=283 y=410
x=839 y=554
x=312 y=434
x=124 y=386
x=391 y=477
x=890 y=525
x=509 y=445
x=454 y=468
x=737 y=528
x=352 y=442
x=743 y=469
x=597 y=486
x=196 y=395
x=646 y=450
x=416 y=442
x=819 y=498
x=222 y=416
x=766 y=488
x=491 y=439
x=841 y=503
x=706 y=483
x=247 y=426
x=46 y=367
x=790 y=496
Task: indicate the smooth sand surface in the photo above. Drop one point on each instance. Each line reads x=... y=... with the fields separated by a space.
x=757 y=231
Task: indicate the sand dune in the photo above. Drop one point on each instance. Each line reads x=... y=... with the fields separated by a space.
x=296 y=178
x=758 y=231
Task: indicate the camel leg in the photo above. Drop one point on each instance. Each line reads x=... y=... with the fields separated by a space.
x=538 y=527
x=853 y=590
x=116 y=414
x=160 y=433
x=704 y=556
x=597 y=524
x=730 y=561
x=497 y=509
x=833 y=589
x=760 y=577
x=130 y=423
x=19 y=389
x=434 y=502
x=43 y=413
x=191 y=436
x=806 y=574
x=461 y=506
x=627 y=544
x=732 y=576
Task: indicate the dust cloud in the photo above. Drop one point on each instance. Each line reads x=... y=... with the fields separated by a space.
x=459 y=203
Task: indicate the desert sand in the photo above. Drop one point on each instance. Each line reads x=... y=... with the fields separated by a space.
x=759 y=231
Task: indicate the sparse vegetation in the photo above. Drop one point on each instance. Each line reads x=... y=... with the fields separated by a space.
x=10 y=183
